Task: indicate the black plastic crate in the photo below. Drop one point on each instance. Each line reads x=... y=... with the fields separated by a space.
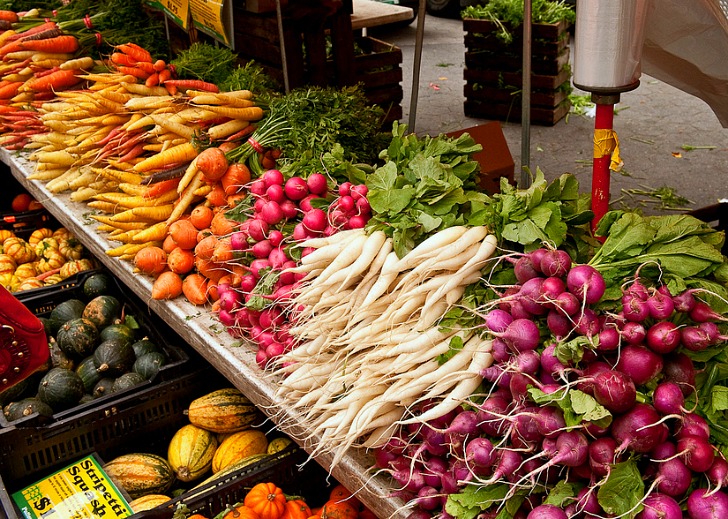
x=42 y=301
x=289 y=469
x=144 y=421
x=21 y=223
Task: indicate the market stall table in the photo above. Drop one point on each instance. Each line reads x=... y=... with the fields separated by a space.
x=205 y=334
x=370 y=13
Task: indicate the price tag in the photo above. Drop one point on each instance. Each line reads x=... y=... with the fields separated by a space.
x=81 y=490
x=176 y=10
x=213 y=17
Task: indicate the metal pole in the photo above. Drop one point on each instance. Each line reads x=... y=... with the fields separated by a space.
x=416 y=64
x=526 y=97
x=281 y=40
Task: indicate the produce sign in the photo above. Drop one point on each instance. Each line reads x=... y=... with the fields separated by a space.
x=81 y=490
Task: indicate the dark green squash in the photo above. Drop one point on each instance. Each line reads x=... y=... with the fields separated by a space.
x=103 y=387
x=96 y=285
x=67 y=310
x=117 y=331
x=60 y=388
x=50 y=325
x=149 y=364
x=78 y=338
x=90 y=376
x=85 y=399
x=16 y=391
x=26 y=407
x=102 y=310
x=127 y=381
x=144 y=346
x=59 y=358
x=114 y=358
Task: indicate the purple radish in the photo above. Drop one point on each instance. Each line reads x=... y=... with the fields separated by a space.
x=490 y=414
x=640 y=363
x=634 y=333
x=702 y=312
x=660 y=506
x=637 y=289
x=615 y=390
x=634 y=308
x=506 y=463
x=704 y=505
x=521 y=335
x=549 y=421
x=679 y=368
x=586 y=382
x=608 y=339
x=497 y=320
x=602 y=455
x=717 y=474
x=549 y=362
x=555 y=263
x=673 y=477
x=572 y=450
x=668 y=399
x=551 y=289
x=432 y=471
x=586 y=283
x=524 y=269
x=587 y=323
x=663 y=337
x=566 y=303
x=637 y=430
x=428 y=498
x=684 y=301
x=696 y=338
x=693 y=425
x=660 y=305
x=531 y=296
x=559 y=324
x=696 y=452
x=547 y=512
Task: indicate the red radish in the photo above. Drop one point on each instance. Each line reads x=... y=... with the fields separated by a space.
x=258 y=229
x=346 y=204
x=271 y=213
x=239 y=241
x=277 y=256
x=257 y=265
x=296 y=188
x=305 y=204
x=261 y=249
x=275 y=237
x=357 y=222
x=247 y=282
x=363 y=208
x=258 y=187
x=289 y=208
x=273 y=177
x=275 y=192
x=315 y=220
x=359 y=191
x=317 y=184
x=345 y=189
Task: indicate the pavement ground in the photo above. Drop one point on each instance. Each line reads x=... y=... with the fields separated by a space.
x=654 y=123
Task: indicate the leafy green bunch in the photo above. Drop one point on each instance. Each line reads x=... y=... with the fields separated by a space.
x=425 y=185
x=508 y=14
x=211 y=63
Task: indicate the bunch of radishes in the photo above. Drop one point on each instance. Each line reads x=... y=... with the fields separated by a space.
x=553 y=344
x=283 y=214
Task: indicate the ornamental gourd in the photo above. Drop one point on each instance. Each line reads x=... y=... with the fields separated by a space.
x=26 y=270
x=5 y=234
x=71 y=248
x=61 y=233
x=267 y=500
x=240 y=512
x=7 y=264
x=73 y=267
x=27 y=284
x=51 y=260
x=190 y=452
x=20 y=250
x=38 y=235
x=296 y=509
x=45 y=246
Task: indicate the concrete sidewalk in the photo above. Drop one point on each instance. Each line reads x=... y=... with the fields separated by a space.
x=653 y=123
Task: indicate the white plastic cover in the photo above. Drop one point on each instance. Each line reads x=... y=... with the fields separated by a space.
x=686 y=46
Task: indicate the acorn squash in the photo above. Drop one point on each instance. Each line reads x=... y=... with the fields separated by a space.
x=114 y=358
x=102 y=310
x=60 y=388
x=78 y=338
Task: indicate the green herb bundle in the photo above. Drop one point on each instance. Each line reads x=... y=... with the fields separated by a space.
x=250 y=76
x=211 y=63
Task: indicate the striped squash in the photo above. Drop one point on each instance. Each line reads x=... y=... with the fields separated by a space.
x=148 y=502
x=141 y=473
x=190 y=452
x=223 y=411
x=238 y=446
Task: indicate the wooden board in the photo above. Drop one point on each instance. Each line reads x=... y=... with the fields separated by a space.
x=512 y=112
x=370 y=13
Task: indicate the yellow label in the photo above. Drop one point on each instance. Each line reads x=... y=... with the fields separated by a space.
x=80 y=491
x=208 y=16
x=179 y=11
x=606 y=143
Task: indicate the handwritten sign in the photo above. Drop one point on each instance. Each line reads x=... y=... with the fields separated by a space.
x=80 y=491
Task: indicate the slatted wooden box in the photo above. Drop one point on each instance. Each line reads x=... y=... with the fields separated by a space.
x=493 y=75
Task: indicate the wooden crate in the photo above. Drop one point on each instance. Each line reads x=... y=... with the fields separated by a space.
x=493 y=72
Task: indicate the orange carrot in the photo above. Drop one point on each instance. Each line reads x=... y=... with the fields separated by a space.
x=164 y=75
x=10 y=90
x=54 y=81
x=159 y=188
x=119 y=58
x=65 y=43
x=160 y=65
x=152 y=80
x=194 y=288
x=8 y=16
x=168 y=285
x=172 y=89
x=196 y=84
x=136 y=52
x=11 y=46
x=133 y=71
x=146 y=67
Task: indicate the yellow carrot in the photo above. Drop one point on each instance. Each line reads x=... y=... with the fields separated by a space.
x=156 y=232
x=130 y=248
x=220 y=131
x=107 y=220
x=61 y=158
x=252 y=113
x=153 y=214
x=121 y=176
x=190 y=173
x=141 y=123
x=179 y=154
x=171 y=125
x=186 y=199
x=86 y=62
x=47 y=175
